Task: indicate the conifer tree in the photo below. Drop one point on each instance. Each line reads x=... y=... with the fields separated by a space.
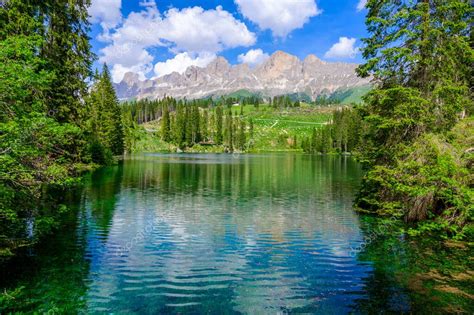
x=106 y=120
x=179 y=126
x=219 y=124
x=241 y=137
x=196 y=125
x=165 y=125
x=205 y=125
x=67 y=51
x=251 y=128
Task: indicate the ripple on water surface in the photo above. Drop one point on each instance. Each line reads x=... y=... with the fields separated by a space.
x=256 y=234
x=216 y=234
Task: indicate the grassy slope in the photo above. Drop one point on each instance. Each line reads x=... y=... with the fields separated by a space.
x=356 y=95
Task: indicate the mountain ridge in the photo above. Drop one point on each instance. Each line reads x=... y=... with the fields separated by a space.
x=280 y=74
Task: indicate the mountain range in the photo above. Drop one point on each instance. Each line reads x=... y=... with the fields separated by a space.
x=281 y=74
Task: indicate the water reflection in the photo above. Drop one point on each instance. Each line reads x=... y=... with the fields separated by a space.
x=256 y=234
x=211 y=234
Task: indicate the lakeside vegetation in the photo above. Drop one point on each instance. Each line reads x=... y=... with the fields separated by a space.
x=53 y=125
x=419 y=162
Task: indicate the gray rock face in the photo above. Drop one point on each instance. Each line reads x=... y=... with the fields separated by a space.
x=280 y=74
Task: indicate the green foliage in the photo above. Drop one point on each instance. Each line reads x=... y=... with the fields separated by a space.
x=100 y=154
x=341 y=135
x=35 y=152
x=219 y=124
x=105 y=121
x=420 y=55
x=45 y=62
x=165 y=125
x=22 y=77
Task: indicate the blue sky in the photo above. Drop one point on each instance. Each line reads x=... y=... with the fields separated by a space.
x=154 y=38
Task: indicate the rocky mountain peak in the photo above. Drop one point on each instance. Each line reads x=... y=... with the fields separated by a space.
x=281 y=74
x=131 y=78
x=312 y=59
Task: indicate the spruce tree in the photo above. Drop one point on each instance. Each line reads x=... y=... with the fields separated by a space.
x=196 y=125
x=67 y=51
x=219 y=124
x=205 y=125
x=242 y=137
x=180 y=126
x=165 y=125
x=106 y=125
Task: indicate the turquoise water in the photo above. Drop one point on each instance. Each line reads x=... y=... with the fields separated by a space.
x=219 y=234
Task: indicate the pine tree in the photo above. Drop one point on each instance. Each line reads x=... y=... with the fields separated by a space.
x=229 y=130
x=165 y=125
x=242 y=137
x=219 y=124
x=106 y=124
x=196 y=125
x=188 y=126
x=180 y=126
x=251 y=128
x=67 y=51
x=206 y=123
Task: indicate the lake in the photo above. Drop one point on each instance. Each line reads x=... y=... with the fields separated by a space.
x=217 y=233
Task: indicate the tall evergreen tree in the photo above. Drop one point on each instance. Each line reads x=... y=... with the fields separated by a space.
x=219 y=124
x=196 y=124
x=68 y=53
x=205 y=125
x=165 y=125
x=106 y=120
x=242 y=139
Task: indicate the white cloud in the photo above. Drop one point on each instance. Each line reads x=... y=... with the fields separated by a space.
x=106 y=13
x=280 y=16
x=195 y=30
x=192 y=30
x=253 y=57
x=181 y=62
x=343 y=49
x=361 y=5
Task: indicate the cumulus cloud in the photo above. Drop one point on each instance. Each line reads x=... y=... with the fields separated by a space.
x=192 y=30
x=345 y=48
x=280 y=16
x=181 y=62
x=195 y=29
x=106 y=12
x=253 y=57
x=361 y=5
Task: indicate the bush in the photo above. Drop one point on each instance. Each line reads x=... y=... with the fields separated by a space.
x=429 y=185
x=100 y=154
